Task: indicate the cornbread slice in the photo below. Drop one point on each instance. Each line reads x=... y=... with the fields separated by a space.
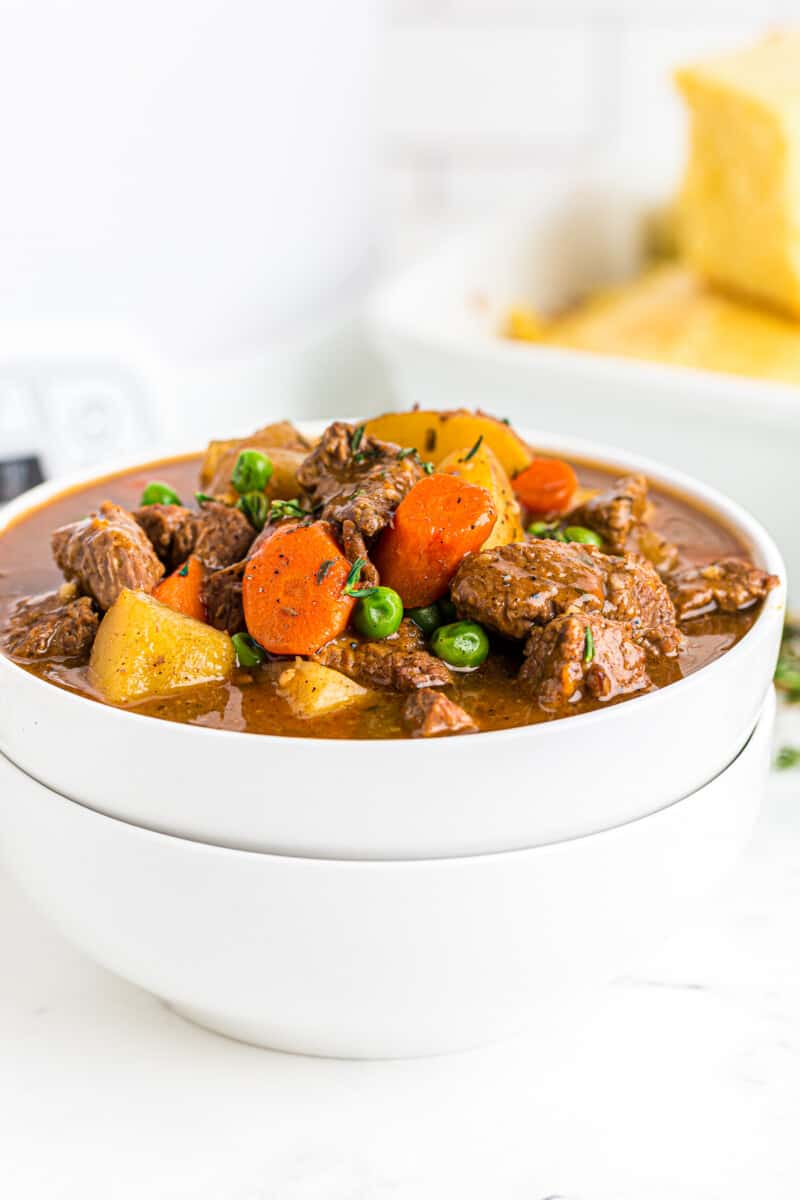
x=740 y=201
x=671 y=315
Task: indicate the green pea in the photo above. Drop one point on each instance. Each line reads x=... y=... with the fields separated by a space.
x=548 y=530
x=379 y=613
x=577 y=533
x=248 y=651
x=428 y=618
x=252 y=472
x=462 y=644
x=159 y=493
x=447 y=609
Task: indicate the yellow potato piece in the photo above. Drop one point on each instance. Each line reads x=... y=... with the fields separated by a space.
x=312 y=690
x=280 y=435
x=483 y=468
x=283 y=484
x=144 y=649
x=437 y=434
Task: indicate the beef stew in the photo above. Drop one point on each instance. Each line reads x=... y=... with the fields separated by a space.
x=372 y=589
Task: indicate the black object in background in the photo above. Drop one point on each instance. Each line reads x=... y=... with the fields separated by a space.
x=17 y=475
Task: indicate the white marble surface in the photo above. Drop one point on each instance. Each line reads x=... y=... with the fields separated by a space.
x=682 y=1084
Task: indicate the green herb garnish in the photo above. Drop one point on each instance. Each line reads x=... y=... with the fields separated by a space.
x=588 y=645
x=427 y=468
x=788 y=756
x=203 y=497
x=255 y=507
x=279 y=510
x=471 y=453
x=404 y=453
x=355 y=439
x=787 y=672
x=184 y=571
x=350 y=588
x=324 y=568
x=248 y=651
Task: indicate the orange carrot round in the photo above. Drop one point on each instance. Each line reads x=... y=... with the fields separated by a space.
x=439 y=522
x=546 y=486
x=293 y=590
x=183 y=589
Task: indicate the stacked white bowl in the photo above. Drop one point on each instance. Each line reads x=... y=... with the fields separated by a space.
x=388 y=898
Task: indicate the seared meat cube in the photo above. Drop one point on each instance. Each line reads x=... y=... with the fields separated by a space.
x=61 y=625
x=357 y=478
x=105 y=553
x=354 y=547
x=614 y=513
x=399 y=662
x=170 y=528
x=730 y=585
x=576 y=656
x=512 y=588
x=222 y=597
x=637 y=595
x=428 y=714
x=219 y=535
x=223 y=535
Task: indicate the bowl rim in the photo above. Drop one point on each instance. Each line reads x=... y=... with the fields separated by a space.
x=719 y=506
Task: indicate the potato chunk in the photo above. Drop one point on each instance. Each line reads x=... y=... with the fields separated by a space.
x=483 y=468
x=312 y=690
x=437 y=434
x=281 y=435
x=144 y=649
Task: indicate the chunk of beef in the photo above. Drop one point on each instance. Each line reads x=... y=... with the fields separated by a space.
x=354 y=547
x=223 y=535
x=219 y=535
x=575 y=656
x=513 y=588
x=170 y=528
x=429 y=714
x=614 y=513
x=637 y=595
x=729 y=585
x=358 y=480
x=105 y=553
x=222 y=597
x=399 y=662
x=60 y=625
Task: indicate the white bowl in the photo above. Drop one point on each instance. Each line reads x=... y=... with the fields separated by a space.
x=373 y=959
x=490 y=792
x=437 y=326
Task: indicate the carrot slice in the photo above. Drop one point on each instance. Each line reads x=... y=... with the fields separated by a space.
x=439 y=522
x=293 y=590
x=546 y=486
x=183 y=589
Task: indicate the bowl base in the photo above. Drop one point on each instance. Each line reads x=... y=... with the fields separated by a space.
x=264 y=1035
